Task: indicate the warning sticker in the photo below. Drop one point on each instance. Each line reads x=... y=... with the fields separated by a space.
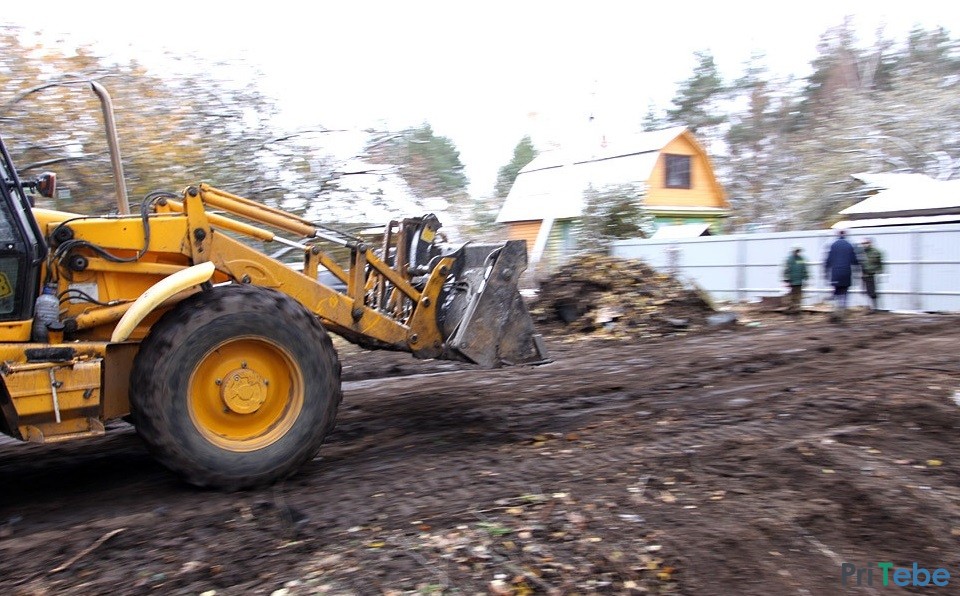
x=5 y=288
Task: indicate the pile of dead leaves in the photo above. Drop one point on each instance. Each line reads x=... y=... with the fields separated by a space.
x=619 y=298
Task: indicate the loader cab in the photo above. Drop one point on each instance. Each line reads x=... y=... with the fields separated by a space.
x=22 y=249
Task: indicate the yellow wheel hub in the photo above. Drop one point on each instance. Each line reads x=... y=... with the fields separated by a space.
x=246 y=393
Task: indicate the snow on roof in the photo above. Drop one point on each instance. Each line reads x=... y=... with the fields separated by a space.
x=678 y=231
x=372 y=195
x=895 y=221
x=644 y=142
x=906 y=192
x=558 y=192
x=552 y=185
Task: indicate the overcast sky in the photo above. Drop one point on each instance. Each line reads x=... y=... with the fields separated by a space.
x=482 y=73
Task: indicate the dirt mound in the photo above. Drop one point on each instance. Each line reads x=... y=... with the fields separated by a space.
x=601 y=295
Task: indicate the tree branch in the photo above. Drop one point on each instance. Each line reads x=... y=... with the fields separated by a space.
x=49 y=162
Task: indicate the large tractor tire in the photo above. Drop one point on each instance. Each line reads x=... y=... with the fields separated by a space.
x=236 y=386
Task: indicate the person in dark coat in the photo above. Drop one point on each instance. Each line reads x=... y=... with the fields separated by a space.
x=838 y=268
x=794 y=274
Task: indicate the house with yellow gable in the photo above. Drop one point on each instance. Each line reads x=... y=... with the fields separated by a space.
x=669 y=167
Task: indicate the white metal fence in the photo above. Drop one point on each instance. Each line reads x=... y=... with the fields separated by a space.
x=921 y=264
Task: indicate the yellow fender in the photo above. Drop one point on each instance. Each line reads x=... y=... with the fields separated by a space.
x=156 y=294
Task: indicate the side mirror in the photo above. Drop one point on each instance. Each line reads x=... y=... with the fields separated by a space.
x=47 y=184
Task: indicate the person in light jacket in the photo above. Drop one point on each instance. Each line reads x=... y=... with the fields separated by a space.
x=794 y=274
x=838 y=269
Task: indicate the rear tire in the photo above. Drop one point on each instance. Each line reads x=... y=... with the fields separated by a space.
x=235 y=387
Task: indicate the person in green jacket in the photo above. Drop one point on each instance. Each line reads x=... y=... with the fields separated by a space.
x=794 y=274
x=871 y=265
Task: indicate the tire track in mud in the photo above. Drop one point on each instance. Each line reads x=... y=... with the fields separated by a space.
x=719 y=412
x=562 y=402
x=576 y=411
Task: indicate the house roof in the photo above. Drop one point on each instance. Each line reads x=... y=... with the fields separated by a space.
x=895 y=221
x=644 y=142
x=372 y=194
x=692 y=230
x=552 y=185
x=906 y=195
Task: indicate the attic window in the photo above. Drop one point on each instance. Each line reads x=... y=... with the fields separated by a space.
x=678 y=171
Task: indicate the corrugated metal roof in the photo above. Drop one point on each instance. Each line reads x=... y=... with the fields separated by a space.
x=906 y=192
x=552 y=185
x=895 y=221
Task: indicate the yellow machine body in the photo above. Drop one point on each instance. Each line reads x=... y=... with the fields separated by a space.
x=178 y=320
x=69 y=386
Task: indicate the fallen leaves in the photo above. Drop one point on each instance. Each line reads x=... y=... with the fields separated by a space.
x=495 y=530
x=533 y=543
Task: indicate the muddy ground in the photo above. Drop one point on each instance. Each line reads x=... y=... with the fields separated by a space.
x=753 y=460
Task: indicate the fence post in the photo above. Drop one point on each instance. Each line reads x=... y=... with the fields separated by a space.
x=741 y=270
x=916 y=277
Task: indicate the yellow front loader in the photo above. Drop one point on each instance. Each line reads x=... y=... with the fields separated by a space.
x=216 y=352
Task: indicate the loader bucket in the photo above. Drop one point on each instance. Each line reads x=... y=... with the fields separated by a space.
x=484 y=317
